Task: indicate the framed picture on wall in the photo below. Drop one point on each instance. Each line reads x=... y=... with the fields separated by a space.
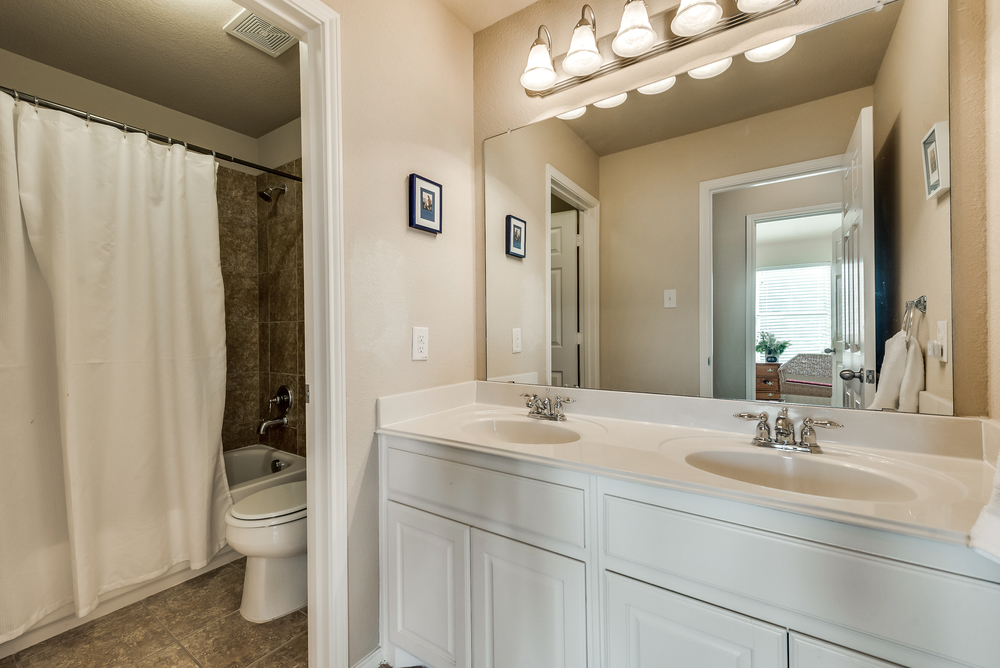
x=937 y=160
x=517 y=236
x=425 y=204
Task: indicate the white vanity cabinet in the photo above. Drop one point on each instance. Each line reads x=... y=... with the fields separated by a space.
x=649 y=627
x=805 y=652
x=529 y=606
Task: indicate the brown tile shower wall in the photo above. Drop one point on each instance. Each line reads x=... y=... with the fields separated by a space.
x=281 y=320
x=237 y=196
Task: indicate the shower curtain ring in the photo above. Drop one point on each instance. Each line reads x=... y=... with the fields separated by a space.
x=88 y=119
x=17 y=97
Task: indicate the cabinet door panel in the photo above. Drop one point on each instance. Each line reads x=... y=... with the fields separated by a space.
x=649 y=627
x=429 y=586
x=806 y=652
x=528 y=606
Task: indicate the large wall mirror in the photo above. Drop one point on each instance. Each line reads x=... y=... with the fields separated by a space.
x=779 y=232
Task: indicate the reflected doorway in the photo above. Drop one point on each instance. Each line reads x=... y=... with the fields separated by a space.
x=564 y=285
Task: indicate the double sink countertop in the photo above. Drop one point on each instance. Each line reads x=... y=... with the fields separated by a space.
x=920 y=493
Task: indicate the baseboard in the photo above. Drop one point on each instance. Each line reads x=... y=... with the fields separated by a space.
x=373 y=660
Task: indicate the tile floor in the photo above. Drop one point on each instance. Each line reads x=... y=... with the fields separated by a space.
x=196 y=624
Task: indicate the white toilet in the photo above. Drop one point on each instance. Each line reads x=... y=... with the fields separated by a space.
x=269 y=527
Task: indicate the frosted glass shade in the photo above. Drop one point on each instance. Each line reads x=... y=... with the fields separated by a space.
x=712 y=69
x=658 y=86
x=754 y=6
x=607 y=103
x=695 y=17
x=583 y=57
x=635 y=36
x=574 y=113
x=772 y=51
x=538 y=73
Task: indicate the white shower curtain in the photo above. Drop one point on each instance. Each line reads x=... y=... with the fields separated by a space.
x=132 y=371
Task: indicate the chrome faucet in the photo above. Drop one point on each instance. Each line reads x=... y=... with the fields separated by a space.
x=546 y=409
x=784 y=432
x=283 y=400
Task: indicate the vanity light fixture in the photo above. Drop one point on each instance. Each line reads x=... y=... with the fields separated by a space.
x=573 y=113
x=539 y=73
x=611 y=101
x=635 y=36
x=658 y=86
x=583 y=58
x=772 y=51
x=695 y=17
x=756 y=6
x=712 y=69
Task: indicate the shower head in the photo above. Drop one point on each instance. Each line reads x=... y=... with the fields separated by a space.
x=273 y=192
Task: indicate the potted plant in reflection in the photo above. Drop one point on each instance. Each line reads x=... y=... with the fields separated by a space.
x=770 y=347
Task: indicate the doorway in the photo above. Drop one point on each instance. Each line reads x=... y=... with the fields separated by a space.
x=564 y=280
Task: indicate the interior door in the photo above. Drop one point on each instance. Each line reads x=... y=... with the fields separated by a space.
x=858 y=235
x=836 y=316
x=529 y=606
x=565 y=304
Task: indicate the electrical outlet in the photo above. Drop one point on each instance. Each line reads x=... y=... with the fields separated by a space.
x=420 y=340
x=669 y=298
x=517 y=339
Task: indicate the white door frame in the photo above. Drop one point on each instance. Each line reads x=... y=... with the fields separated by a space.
x=317 y=27
x=557 y=183
x=751 y=281
x=706 y=190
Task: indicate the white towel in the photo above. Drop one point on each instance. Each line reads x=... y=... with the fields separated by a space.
x=891 y=378
x=913 y=378
x=985 y=535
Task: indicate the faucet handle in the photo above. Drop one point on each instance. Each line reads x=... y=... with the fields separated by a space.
x=825 y=424
x=564 y=400
x=752 y=417
x=531 y=399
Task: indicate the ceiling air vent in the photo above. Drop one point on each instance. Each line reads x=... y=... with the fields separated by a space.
x=257 y=32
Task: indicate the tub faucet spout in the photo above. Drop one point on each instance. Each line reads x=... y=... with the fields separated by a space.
x=267 y=424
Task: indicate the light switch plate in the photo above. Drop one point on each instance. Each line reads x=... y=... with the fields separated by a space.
x=942 y=337
x=421 y=338
x=669 y=298
x=517 y=339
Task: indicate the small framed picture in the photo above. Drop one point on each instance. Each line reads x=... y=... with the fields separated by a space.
x=517 y=236
x=425 y=204
x=937 y=164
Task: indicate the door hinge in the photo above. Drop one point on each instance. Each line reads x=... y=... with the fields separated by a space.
x=579 y=338
x=579 y=240
x=307 y=393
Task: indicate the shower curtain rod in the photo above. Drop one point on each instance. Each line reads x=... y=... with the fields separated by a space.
x=90 y=118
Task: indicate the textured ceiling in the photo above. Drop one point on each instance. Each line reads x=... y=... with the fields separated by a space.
x=830 y=60
x=171 y=52
x=478 y=14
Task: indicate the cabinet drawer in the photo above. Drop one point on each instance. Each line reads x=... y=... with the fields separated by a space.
x=919 y=609
x=527 y=508
x=806 y=652
x=767 y=370
x=763 y=395
x=768 y=385
x=649 y=627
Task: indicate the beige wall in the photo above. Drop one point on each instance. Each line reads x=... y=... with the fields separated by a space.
x=649 y=232
x=407 y=107
x=993 y=181
x=911 y=95
x=28 y=76
x=729 y=214
x=515 y=185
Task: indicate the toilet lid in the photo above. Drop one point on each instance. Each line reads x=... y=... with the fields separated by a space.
x=272 y=502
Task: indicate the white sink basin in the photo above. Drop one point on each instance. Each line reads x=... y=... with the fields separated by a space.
x=803 y=473
x=521 y=431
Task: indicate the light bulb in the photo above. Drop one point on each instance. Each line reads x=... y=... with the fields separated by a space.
x=695 y=17
x=712 y=69
x=574 y=113
x=658 y=86
x=611 y=101
x=772 y=51
x=635 y=36
x=583 y=58
x=539 y=73
x=755 y=6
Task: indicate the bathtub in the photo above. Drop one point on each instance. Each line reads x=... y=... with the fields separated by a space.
x=252 y=469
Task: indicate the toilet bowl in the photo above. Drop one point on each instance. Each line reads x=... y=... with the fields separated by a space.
x=269 y=527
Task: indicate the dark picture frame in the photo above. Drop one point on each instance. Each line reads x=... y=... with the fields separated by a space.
x=426 y=200
x=516 y=237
